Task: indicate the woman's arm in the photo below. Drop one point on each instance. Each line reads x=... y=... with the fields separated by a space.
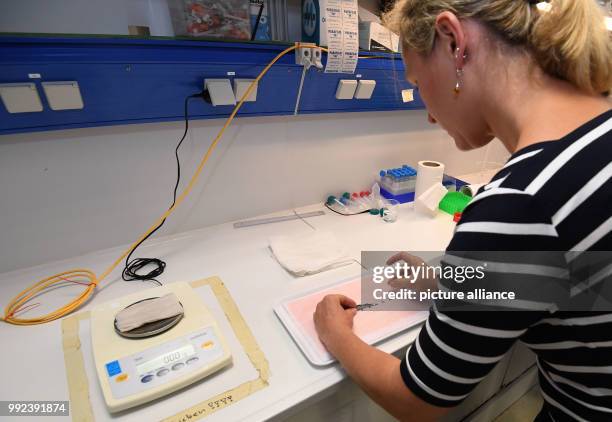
x=376 y=372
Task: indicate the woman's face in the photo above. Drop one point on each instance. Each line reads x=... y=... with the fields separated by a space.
x=435 y=76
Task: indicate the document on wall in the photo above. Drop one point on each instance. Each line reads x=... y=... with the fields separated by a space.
x=342 y=36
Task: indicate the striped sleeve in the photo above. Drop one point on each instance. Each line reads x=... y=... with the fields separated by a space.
x=548 y=214
x=454 y=352
x=457 y=349
x=546 y=217
x=504 y=219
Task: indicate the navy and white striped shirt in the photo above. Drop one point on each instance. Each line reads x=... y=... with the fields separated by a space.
x=549 y=196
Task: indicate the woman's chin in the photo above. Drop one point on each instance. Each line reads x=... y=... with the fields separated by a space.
x=462 y=145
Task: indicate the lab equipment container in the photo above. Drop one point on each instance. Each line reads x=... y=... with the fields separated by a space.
x=402 y=191
x=398 y=181
x=454 y=202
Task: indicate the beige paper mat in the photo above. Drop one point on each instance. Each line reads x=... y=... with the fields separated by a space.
x=78 y=387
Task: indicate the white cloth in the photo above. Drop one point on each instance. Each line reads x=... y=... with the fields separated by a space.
x=309 y=254
x=148 y=311
x=428 y=202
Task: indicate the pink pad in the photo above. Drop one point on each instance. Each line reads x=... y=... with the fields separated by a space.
x=371 y=326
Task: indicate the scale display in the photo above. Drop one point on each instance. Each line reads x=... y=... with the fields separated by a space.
x=167 y=359
x=133 y=371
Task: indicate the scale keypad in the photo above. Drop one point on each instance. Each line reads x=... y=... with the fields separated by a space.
x=160 y=364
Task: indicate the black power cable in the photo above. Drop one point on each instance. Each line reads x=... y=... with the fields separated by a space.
x=132 y=268
x=254 y=33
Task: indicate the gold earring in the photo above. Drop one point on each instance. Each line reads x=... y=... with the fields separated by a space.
x=459 y=83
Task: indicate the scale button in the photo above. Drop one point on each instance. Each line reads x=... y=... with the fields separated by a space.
x=113 y=368
x=121 y=377
x=178 y=366
x=207 y=344
x=146 y=378
x=192 y=360
x=162 y=372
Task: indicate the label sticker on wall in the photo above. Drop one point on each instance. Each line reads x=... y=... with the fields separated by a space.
x=342 y=36
x=407 y=95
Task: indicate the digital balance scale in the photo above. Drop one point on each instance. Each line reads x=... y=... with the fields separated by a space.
x=160 y=357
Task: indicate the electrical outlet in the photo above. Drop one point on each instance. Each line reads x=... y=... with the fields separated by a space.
x=308 y=54
x=220 y=91
x=303 y=54
x=317 y=53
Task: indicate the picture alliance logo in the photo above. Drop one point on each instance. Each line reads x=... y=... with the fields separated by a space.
x=309 y=17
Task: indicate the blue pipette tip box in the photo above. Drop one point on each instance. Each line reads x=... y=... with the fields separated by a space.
x=449 y=182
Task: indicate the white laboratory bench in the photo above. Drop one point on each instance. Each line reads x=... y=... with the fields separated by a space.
x=32 y=361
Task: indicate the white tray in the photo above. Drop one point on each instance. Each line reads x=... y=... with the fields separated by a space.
x=312 y=347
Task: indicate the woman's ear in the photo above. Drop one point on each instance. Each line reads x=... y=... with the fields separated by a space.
x=451 y=37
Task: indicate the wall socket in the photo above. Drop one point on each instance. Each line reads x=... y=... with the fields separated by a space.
x=308 y=55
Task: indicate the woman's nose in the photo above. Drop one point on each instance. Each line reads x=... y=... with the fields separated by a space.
x=431 y=119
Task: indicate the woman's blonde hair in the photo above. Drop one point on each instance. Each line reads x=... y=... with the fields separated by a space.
x=568 y=39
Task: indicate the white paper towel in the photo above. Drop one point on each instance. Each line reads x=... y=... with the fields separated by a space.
x=429 y=173
x=429 y=200
x=309 y=254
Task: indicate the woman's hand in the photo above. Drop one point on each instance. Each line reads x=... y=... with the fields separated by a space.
x=333 y=319
x=411 y=261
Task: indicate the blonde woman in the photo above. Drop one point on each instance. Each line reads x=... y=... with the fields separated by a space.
x=536 y=76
